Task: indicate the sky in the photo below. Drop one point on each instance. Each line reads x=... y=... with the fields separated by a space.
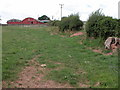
x=21 y=9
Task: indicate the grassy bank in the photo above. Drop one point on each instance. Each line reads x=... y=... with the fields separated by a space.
x=68 y=60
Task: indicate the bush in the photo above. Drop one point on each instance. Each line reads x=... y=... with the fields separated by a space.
x=75 y=23
x=64 y=24
x=54 y=23
x=92 y=25
x=118 y=28
x=70 y=23
x=107 y=27
x=99 y=25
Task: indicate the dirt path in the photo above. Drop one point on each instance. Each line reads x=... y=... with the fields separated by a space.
x=32 y=77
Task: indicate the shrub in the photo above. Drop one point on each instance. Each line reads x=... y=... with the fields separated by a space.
x=99 y=25
x=75 y=23
x=118 y=28
x=70 y=23
x=64 y=24
x=54 y=23
x=107 y=27
x=92 y=25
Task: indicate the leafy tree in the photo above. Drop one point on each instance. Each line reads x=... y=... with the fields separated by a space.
x=44 y=17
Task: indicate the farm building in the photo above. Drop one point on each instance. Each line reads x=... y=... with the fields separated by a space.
x=13 y=21
x=45 y=21
x=28 y=20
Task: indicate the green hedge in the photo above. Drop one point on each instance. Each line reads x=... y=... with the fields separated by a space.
x=70 y=23
x=108 y=27
x=118 y=28
x=99 y=25
x=54 y=23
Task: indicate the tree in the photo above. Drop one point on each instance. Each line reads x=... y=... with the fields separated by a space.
x=44 y=17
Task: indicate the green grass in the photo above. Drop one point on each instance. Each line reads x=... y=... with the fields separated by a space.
x=68 y=61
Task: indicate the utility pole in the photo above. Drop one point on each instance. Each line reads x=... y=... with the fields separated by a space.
x=61 y=9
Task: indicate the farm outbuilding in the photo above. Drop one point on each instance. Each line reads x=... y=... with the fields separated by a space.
x=14 y=21
x=28 y=20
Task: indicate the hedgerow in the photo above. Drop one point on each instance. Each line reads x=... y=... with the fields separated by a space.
x=118 y=28
x=71 y=22
x=99 y=25
x=54 y=23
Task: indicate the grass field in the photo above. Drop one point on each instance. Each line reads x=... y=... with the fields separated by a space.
x=78 y=63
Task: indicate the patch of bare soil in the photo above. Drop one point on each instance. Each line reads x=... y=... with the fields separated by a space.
x=84 y=85
x=32 y=77
x=97 y=50
x=77 y=34
x=62 y=36
x=81 y=42
x=97 y=84
x=54 y=33
x=100 y=51
x=55 y=62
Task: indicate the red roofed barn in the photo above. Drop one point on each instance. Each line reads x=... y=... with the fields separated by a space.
x=25 y=21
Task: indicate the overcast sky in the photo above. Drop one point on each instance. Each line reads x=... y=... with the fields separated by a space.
x=20 y=9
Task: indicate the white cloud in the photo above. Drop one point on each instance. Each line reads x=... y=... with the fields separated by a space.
x=21 y=9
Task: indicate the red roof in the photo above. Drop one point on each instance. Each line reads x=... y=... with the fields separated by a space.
x=28 y=20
